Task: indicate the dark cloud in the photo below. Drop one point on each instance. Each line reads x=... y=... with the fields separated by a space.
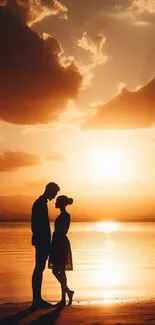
x=128 y=110
x=35 y=87
x=58 y=157
x=11 y=161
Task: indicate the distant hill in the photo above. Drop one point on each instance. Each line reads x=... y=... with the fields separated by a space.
x=18 y=208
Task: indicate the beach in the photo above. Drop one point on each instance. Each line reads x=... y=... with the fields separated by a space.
x=131 y=312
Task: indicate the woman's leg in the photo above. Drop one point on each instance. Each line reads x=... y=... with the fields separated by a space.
x=63 y=285
x=65 y=289
x=61 y=277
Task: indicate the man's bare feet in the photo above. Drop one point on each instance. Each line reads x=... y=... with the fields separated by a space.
x=39 y=304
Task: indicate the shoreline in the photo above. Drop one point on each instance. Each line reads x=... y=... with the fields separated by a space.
x=87 y=221
x=86 y=302
x=116 y=312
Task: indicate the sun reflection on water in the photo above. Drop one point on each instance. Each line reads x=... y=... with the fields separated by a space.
x=107 y=226
x=108 y=275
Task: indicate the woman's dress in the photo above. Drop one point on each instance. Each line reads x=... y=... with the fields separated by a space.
x=60 y=257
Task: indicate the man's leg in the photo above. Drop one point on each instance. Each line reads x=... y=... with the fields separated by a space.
x=40 y=262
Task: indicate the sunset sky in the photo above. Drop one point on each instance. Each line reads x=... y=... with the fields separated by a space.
x=77 y=105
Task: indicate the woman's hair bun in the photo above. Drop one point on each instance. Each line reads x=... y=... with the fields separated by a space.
x=70 y=201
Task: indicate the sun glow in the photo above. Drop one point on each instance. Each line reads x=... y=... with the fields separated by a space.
x=109 y=275
x=109 y=165
x=107 y=226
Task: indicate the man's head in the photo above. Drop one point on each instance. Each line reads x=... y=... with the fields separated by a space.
x=51 y=190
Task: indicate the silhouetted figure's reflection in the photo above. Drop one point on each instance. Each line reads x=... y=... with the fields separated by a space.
x=60 y=258
x=41 y=239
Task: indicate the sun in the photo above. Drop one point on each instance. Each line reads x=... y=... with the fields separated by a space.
x=109 y=165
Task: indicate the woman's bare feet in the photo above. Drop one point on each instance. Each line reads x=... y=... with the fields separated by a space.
x=70 y=296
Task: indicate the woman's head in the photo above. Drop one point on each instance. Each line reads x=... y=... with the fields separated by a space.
x=62 y=201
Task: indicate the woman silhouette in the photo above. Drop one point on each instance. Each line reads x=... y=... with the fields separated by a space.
x=60 y=259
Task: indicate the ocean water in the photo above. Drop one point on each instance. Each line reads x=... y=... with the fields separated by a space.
x=111 y=261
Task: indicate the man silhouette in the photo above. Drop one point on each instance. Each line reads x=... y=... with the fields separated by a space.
x=41 y=239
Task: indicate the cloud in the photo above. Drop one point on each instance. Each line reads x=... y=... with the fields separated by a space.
x=120 y=87
x=128 y=110
x=138 y=12
x=144 y=6
x=35 y=87
x=141 y=23
x=57 y=157
x=98 y=15
x=11 y=161
x=144 y=11
x=94 y=46
x=40 y=9
x=33 y=11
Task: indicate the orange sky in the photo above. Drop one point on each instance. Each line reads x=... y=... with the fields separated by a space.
x=77 y=106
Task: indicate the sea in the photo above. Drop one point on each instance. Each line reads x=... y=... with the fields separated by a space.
x=112 y=261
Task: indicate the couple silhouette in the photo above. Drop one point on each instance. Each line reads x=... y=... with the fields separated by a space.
x=56 y=250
